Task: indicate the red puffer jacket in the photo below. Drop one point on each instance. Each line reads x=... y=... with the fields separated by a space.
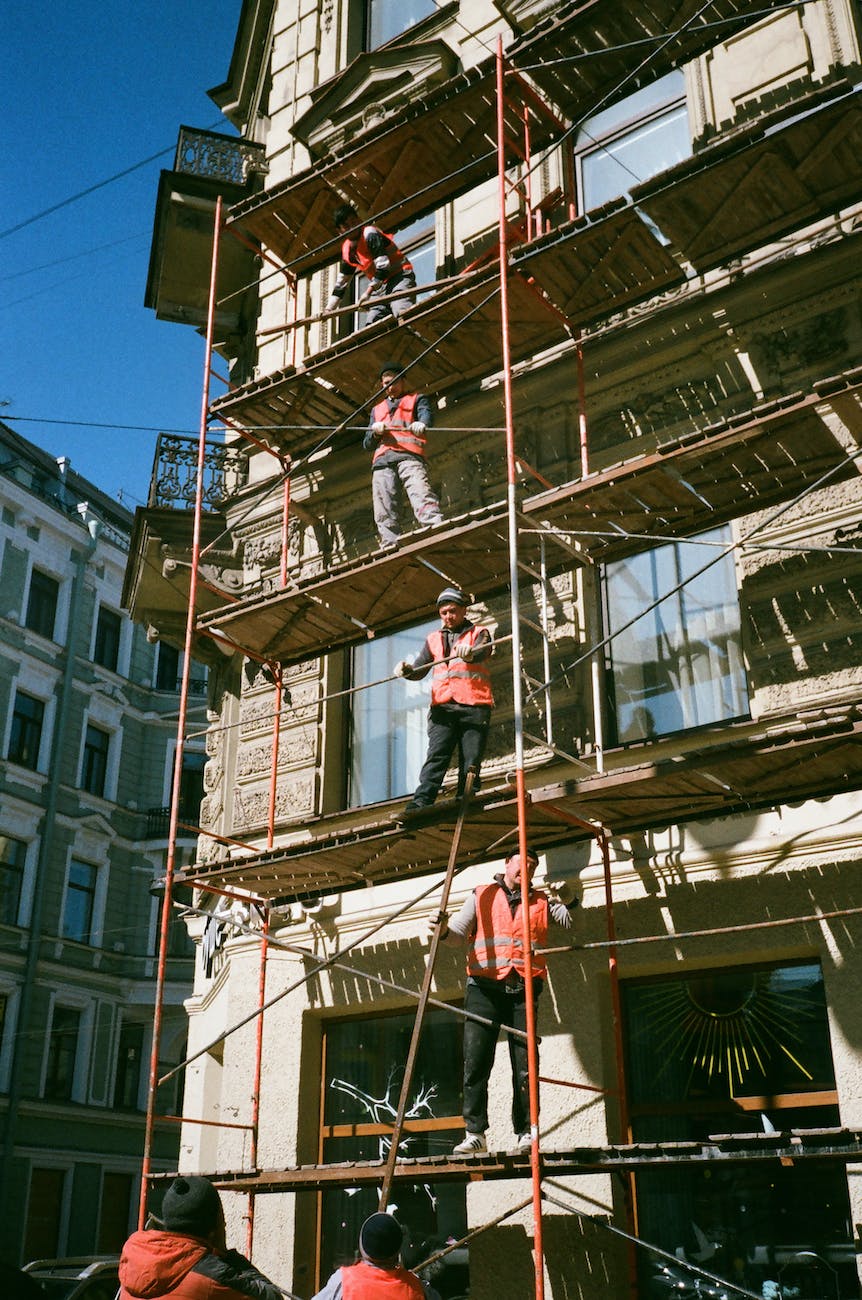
x=156 y=1265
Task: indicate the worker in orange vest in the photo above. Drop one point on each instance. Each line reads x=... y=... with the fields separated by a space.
x=399 y=423
x=491 y=922
x=461 y=696
x=378 y=1274
x=367 y=250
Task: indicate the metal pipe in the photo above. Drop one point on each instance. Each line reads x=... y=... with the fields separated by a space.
x=181 y=728
x=511 y=470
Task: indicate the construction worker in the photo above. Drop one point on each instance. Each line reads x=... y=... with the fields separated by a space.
x=368 y=250
x=187 y=1257
x=461 y=696
x=399 y=422
x=490 y=921
x=378 y=1274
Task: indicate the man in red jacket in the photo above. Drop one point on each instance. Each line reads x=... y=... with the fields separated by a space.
x=461 y=696
x=188 y=1258
x=378 y=1274
x=396 y=433
x=367 y=250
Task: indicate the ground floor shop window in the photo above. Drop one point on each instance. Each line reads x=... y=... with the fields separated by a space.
x=363 y=1062
x=738 y=1051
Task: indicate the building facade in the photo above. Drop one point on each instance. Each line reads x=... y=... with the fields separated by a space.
x=681 y=204
x=88 y=710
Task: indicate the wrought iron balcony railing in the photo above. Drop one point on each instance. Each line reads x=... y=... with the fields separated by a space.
x=175 y=466
x=218 y=157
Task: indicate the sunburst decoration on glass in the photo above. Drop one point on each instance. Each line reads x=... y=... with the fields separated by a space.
x=727 y=1025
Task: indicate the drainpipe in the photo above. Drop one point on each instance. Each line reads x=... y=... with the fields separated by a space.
x=43 y=864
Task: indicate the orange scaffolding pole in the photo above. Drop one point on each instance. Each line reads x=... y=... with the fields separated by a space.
x=164 y=921
x=511 y=478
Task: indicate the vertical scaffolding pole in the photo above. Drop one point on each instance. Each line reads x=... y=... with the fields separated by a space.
x=511 y=468
x=146 y=1164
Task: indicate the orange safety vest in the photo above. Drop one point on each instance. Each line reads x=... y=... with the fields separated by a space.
x=364 y=1281
x=498 y=946
x=465 y=683
x=356 y=254
x=398 y=436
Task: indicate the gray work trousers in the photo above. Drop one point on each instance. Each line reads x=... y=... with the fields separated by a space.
x=397 y=306
x=412 y=473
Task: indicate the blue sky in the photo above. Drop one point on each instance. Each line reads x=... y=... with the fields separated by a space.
x=92 y=90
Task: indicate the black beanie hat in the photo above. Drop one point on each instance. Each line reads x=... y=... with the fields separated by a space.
x=380 y=1238
x=191 y=1205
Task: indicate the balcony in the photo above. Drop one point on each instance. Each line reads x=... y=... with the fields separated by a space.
x=206 y=166
x=156 y=587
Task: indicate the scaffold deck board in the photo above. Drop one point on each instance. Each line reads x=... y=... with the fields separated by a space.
x=740 y=194
x=754 y=462
x=762 y=458
x=794 y=1145
x=748 y=767
x=581 y=49
x=449 y=131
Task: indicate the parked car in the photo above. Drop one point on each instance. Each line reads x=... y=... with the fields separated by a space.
x=94 y=1277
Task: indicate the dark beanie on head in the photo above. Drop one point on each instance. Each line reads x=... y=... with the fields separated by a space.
x=191 y=1205
x=380 y=1238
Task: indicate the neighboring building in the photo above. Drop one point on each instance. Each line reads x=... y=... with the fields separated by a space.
x=88 y=711
x=690 y=538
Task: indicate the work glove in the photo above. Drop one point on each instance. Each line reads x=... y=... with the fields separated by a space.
x=442 y=917
x=561 y=891
x=402 y=668
x=378 y=428
x=418 y=426
x=331 y=304
x=463 y=650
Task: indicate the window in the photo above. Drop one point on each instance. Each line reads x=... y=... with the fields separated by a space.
x=25 y=737
x=12 y=854
x=389 y=18
x=80 y=902
x=106 y=650
x=94 y=766
x=130 y=1057
x=167 y=667
x=42 y=604
x=192 y=785
x=114 y=1222
x=62 y=1053
x=679 y=665
x=419 y=242
x=389 y=727
x=633 y=140
x=715 y=1052
x=360 y=1098
x=44 y=1214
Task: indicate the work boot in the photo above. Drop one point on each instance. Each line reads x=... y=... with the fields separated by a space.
x=523 y=1142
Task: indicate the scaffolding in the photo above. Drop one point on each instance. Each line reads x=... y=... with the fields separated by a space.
x=773 y=453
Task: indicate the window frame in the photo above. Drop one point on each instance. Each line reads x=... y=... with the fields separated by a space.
x=24 y=731
x=42 y=605
x=108 y=639
x=95 y=760
x=76 y=890
x=15 y=870
x=54 y=1050
x=685 y=656
x=622 y=121
x=368 y=7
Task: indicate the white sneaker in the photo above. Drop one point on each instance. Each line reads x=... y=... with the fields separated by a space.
x=524 y=1142
x=472 y=1143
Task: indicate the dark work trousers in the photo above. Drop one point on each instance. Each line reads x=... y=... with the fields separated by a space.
x=507 y=1009
x=452 y=726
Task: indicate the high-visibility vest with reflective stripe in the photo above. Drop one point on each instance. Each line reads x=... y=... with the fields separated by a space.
x=455 y=680
x=499 y=946
x=364 y=1281
x=398 y=436
x=356 y=253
